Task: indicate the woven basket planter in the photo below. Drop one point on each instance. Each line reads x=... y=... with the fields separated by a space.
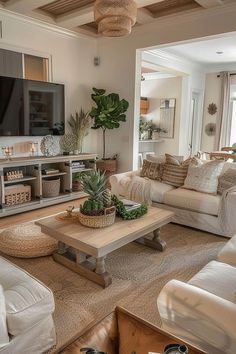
x=51 y=187
x=99 y=221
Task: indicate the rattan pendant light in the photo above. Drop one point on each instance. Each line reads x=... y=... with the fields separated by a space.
x=115 y=18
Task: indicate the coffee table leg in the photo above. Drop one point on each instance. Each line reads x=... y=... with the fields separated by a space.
x=81 y=265
x=157 y=243
x=100 y=270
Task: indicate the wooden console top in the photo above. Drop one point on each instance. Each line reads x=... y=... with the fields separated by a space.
x=27 y=160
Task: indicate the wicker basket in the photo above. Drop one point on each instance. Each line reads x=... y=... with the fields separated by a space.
x=99 y=221
x=51 y=187
x=17 y=194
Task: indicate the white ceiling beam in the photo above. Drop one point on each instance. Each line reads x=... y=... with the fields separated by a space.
x=76 y=18
x=209 y=3
x=25 y=6
x=86 y=15
x=144 y=16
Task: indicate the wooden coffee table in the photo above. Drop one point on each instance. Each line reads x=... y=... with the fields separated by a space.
x=77 y=242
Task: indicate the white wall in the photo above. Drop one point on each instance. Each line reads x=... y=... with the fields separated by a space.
x=212 y=95
x=118 y=65
x=72 y=64
x=154 y=90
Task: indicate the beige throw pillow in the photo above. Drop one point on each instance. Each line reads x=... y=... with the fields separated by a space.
x=203 y=176
x=227 y=180
x=152 y=170
x=175 y=171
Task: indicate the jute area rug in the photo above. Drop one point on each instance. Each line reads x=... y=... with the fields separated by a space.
x=138 y=273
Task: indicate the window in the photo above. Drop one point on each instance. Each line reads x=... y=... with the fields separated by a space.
x=35 y=68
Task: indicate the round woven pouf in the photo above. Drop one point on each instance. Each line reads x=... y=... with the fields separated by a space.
x=26 y=241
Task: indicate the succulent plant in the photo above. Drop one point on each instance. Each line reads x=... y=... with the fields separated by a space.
x=107 y=198
x=94 y=184
x=99 y=198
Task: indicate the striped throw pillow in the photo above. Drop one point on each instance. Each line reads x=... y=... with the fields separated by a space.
x=152 y=170
x=175 y=171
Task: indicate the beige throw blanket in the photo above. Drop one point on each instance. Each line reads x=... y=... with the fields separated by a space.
x=227 y=211
x=138 y=189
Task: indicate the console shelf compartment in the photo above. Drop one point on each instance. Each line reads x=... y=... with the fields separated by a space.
x=32 y=169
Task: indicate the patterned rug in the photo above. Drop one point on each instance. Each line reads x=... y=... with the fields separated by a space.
x=138 y=273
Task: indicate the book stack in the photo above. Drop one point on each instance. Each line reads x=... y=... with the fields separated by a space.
x=78 y=165
x=130 y=205
x=50 y=171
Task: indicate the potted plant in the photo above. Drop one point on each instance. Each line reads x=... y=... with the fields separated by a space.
x=98 y=211
x=108 y=114
x=145 y=129
x=76 y=182
x=80 y=124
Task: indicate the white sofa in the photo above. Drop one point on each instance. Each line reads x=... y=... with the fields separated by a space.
x=203 y=311
x=194 y=209
x=29 y=306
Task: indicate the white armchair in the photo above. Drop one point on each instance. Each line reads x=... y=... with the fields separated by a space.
x=203 y=311
x=198 y=317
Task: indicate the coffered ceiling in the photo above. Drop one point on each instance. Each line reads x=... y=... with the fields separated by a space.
x=77 y=15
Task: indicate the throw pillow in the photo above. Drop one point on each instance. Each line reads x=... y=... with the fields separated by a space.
x=4 y=338
x=175 y=171
x=227 y=180
x=152 y=170
x=203 y=176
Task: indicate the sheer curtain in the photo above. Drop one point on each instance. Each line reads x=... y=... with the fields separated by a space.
x=223 y=124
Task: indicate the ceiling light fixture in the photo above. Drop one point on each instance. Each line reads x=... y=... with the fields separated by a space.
x=219 y=52
x=115 y=18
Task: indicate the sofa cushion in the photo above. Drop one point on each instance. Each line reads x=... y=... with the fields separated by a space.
x=4 y=338
x=191 y=200
x=28 y=301
x=217 y=278
x=203 y=177
x=227 y=180
x=228 y=252
x=152 y=170
x=175 y=171
x=158 y=190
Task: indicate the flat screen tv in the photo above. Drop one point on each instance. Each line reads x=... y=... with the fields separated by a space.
x=31 y=108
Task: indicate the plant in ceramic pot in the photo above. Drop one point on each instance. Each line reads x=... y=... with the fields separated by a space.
x=76 y=181
x=98 y=210
x=145 y=129
x=80 y=124
x=108 y=114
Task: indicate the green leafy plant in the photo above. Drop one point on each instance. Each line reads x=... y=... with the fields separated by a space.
x=80 y=124
x=131 y=214
x=95 y=185
x=108 y=113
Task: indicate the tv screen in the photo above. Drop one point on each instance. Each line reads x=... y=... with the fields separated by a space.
x=31 y=108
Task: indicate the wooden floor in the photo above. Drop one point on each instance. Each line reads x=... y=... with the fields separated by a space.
x=37 y=214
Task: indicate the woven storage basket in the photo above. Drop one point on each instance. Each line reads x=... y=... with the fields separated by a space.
x=99 y=221
x=51 y=187
x=17 y=195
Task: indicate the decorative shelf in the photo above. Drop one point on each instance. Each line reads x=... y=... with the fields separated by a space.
x=17 y=180
x=32 y=168
x=152 y=141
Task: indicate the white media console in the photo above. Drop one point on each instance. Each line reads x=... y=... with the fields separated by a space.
x=32 y=169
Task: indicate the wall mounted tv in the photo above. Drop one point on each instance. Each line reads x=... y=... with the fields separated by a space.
x=31 y=108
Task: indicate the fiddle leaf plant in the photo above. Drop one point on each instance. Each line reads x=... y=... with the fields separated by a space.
x=108 y=113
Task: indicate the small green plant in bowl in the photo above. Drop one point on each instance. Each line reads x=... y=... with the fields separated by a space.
x=99 y=200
